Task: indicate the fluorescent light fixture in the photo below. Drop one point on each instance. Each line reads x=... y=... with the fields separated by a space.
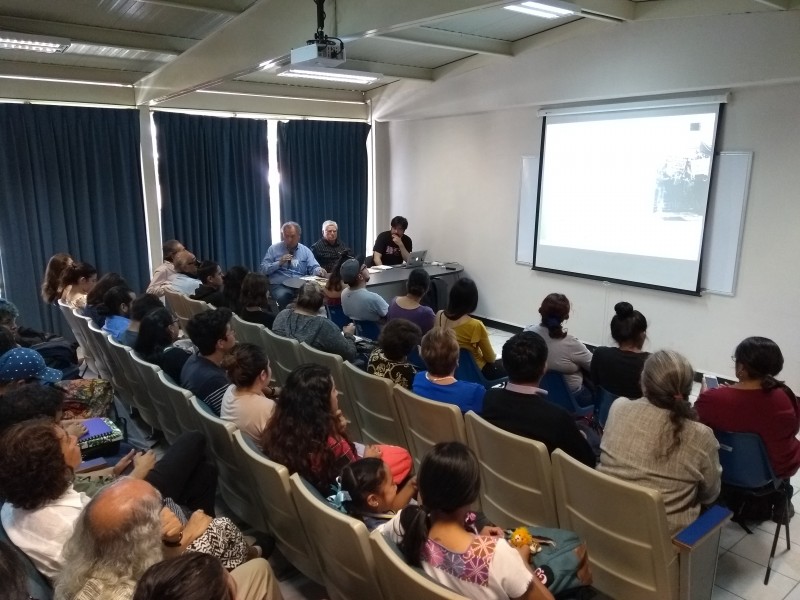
x=545 y=10
x=326 y=74
x=36 y=43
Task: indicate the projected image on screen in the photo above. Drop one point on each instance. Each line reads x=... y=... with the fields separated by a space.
x=623 y=196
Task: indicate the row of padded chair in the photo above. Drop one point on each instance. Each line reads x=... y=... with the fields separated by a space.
x=519 y=486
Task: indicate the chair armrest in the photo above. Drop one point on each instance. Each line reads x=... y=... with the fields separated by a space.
x=703 y=526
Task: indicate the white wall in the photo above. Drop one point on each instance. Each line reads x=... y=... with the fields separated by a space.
x=456 y=178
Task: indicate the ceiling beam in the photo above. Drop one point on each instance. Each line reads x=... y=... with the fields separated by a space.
x=270 y=28
x=390 y=70
x=210 y=6
x=779 y=4
x=449 y=40
x=620 y=10
x=44 y=71
x=100 y=36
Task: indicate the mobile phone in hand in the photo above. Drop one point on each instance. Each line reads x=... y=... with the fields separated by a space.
x=710 y=381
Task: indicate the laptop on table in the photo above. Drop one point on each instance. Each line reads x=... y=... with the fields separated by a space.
x=415 y=259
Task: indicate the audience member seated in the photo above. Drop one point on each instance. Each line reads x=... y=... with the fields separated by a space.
x=126 y=528
x=286 y=259
x=199 y=576
x=185 y=279
x=232 y=286
x=210 y=289
x=307 y=432
x=392 y=247
x=409 y=307
x=248 y=402
x=7 y=341
x=390 y=359
x=656 y=441
x=440 y=353
x=565 y=353
x=140 y=306
x=333 y=288
x=77 y=280
x=116 y=308
x=757 y=403
x=329 y=248
x=433 y=534
x=95 y=306
x=163 y=274
x=155 y=343
x=12 y=574
x=185 y=472
x=253 y=300
x=370 y=493
x=618 y=370
x=471 y=333
x=41 y=505
x=522 y=408
x=51 y=283
x=304 y=323
x=202 y=374
x=357 y=302
x=19 y=366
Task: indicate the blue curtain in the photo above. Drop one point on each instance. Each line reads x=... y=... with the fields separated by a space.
x=214 y=189
x=323 y=167
x=70 y=181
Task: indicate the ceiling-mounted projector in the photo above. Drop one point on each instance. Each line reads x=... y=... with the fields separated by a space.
x=319 y=55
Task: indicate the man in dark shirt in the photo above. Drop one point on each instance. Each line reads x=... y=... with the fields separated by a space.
x=392 y=247
x=329 y=248
x=202 y=374
x=522 y=407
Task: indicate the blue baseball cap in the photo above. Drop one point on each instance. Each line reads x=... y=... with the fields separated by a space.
x=23 y=364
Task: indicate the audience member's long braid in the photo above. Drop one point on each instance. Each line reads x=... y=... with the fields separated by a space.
x=667 y=382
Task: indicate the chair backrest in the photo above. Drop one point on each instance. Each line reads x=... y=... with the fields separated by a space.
x=467 y=370
x=180 y=400
x=123 y=385
x=284 y=353
x=195 y=307
x=97 y=340
x=341 y=544
x=372 y=399
x=605 y=400
x=625 y=529
x=140 y=397
x=274 y=492
x=399 y=580
x=175 y=302
x=246 y=332
x=234 y=477
x=168 y=421
x=558 y=393
x=744 y=460
x=427 y=422
x=516 y=476
x=367 y=329
x=334 y=362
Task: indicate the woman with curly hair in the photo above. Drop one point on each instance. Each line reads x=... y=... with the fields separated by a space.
x=656 y=441
x=37 y=464
x=51 y=284
x=307 y=432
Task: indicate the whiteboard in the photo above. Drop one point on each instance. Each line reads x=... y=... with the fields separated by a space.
x=724 y=226
x=526 y=216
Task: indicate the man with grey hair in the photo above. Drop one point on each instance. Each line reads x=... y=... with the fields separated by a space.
x=287 y=259
x=125 y=530
x=329 y=248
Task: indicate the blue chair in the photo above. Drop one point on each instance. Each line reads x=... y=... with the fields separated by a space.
x=367 y=329
x=604 y=400
x=746 y=469
x=336 y=314
x=467 y=370
x=558 y=393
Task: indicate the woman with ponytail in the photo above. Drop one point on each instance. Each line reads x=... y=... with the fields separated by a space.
x=565 y=353
x=434 y=534
x=619 y=369
x=758 y=403
x=657 y=442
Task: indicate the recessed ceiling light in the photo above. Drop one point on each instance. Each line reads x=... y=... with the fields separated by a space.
x=35 y=43
x=554 y=10
x=327 y=74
